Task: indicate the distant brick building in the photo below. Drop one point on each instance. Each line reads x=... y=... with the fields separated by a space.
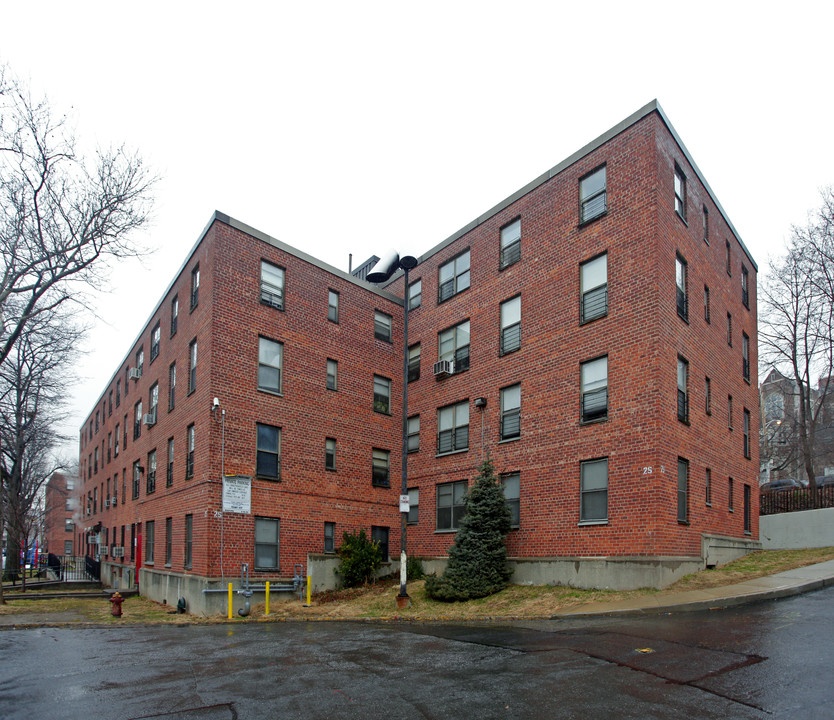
x=593 y=334
x=60 y=505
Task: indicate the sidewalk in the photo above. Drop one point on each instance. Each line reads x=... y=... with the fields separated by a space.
x=770 y=587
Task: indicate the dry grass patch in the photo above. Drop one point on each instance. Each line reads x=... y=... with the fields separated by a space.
x=754 y=565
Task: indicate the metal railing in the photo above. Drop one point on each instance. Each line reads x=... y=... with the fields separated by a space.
x=773 y=502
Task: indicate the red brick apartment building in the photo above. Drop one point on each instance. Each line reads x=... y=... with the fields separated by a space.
x=60 y=507
x=593 y=334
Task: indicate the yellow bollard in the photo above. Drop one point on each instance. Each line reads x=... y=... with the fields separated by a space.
x=266 y=609
x=230 y=601
x=308 y=590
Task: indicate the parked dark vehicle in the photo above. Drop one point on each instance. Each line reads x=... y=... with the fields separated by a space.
x=780 y=485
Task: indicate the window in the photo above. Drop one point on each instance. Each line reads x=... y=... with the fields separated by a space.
x=510 y=314
x=511 y=484
x=195 y=287
x=745 y=287
x=730 y=411
x=413 y=506
x=414 y=362
x=453 y=344
x=124 y=437
x=708 y=487
x=415 y=294
x=175 y=312
x=683 y=391
x=270 y=355
x=593 y=501
x=140 y=364
x=168 y=533
x=69 y=525
x=453 y=428
x=707 y=396
x=267 y=533
x=413 y=433
x=745 y=357
x=118 y=392
x=150 y=527
x=706 y=225
x=268 y=463
x=169 y=470
x=510 y=244
x=382 y=326
x=730 y=495
x=593 y=289
x=381 y=467
x=189 y=455
x=109 y=403
x=706 y=303
x=67 y=547
x=748 y=526
x=594 y=379
x=680 y=282
x=172 y=385
x=451 y=506
x=124 y=485
x=329 y=537
x=746 y=416
x=272 y=285
x=683 y=490
x=329 y=454
x=150 y=486
x=333 y=306
x=189 y=541
x=680 y=192
x=109 y=445
x=592 y=195
x=153 y=401
x=729 y=330
x=137 y=478
x=156 y=334
x=510 y=412
x=382 y=395
x=192 y=366
x=132 y=542
x=728 y=258
x=380 y=536
x=453 y=277
x=137 y=420
x=332 y=375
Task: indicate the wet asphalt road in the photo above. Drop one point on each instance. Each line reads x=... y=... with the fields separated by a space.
x=773 y=660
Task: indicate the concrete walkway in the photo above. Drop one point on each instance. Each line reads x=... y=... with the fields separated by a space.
x=784 y=584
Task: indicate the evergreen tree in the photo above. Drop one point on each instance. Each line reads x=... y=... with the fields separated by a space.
x=478 y=558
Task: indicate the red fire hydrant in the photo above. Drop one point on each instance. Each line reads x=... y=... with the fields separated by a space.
x=116 y=609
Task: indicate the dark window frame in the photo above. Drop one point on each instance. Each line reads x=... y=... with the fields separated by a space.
x=456 y=510
x=509 y=253
x=270 y=294
x=588 y=212
x=457 y=283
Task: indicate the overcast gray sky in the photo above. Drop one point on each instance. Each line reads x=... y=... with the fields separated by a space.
x=352 y=127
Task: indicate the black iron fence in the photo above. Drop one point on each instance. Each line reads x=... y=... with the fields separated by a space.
x=773 y=502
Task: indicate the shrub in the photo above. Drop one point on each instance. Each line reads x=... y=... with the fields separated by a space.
x=414 y=568
x=359 y=557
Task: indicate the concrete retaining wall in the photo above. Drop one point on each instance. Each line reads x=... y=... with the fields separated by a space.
x=803 y=529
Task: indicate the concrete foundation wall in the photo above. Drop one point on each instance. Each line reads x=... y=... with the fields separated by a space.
x=718 y=550
x=803 y=529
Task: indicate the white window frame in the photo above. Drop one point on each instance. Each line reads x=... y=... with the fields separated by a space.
x=270 y=363
x=453 y=276
x=593 y=195
x=272 y=286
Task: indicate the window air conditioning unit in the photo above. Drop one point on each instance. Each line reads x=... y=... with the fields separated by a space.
x=134 y=373
x=118 y=551
x=442 y=368
x=149 y=418
x=114 y=501
x=106 y=502
x=102 y=550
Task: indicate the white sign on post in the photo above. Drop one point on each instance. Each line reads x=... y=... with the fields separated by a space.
x=237 y=494
x=404 y=504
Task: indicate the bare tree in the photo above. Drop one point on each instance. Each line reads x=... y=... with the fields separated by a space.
x=797 y=319
x=32 y=405
x=62 y=219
